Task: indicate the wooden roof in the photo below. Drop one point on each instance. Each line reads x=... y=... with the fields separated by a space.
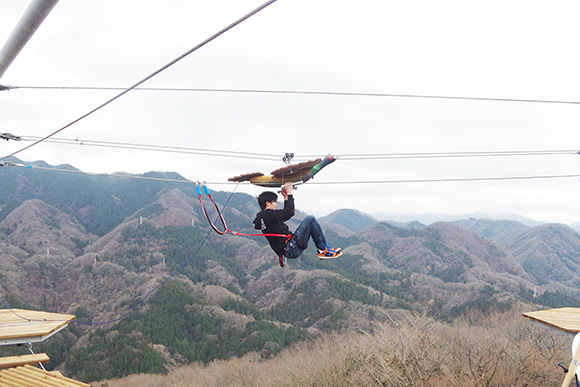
x=565 y=319
x=29 y=376
x=20 y=326
x=15 y=361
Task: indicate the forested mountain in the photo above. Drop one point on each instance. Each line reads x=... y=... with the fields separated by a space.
x=549 y=252
x=96 y=246
x=351 y=219
x=499 y=231
x=97 y=202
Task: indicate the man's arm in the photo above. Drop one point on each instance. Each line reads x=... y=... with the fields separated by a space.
x=287 y=190
x=288 y=211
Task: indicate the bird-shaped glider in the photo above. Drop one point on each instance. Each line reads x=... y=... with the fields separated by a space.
x=296 y=173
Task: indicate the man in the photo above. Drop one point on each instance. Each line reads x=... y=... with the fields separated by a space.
x=271 y=221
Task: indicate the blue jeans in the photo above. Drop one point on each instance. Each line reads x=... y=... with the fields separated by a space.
x=308 y=228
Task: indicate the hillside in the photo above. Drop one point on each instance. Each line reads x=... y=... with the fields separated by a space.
x=548 y=252
x=499 y=231
x=223 y=296
x=99 y=203
x=414 y=350
x=351 y=219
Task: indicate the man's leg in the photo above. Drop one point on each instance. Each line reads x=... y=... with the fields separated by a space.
x=310 y=228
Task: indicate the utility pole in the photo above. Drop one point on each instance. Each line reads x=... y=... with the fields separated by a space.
x=33 y=17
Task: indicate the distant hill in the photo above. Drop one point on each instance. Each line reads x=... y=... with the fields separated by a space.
x=432 y=218
x=550 y=252
x=353 y=220
x=497 y=230
x=98 y=202
x=409 y=225
x=94 y=246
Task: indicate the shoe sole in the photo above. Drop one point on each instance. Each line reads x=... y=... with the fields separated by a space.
x=332 y=257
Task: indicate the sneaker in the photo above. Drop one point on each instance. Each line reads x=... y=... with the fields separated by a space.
x=329 y=253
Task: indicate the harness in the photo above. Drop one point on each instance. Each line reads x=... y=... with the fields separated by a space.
x=226 y=229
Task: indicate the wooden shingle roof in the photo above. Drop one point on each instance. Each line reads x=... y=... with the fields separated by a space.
x=20 y=326
x=29 y=376
x=566 y=319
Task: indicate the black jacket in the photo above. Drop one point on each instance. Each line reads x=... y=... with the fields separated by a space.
x=272 y=222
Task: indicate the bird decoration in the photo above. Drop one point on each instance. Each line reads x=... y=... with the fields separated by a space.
x=294 y=173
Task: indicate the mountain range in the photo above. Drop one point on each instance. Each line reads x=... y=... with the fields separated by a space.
x=135 y=260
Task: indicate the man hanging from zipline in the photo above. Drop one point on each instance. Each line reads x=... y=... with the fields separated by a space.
x=271 y=220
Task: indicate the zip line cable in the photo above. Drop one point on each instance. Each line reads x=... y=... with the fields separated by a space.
x=125 y=91
x=142 y=300
x=352 y=182
x=379 y=156
x=272 y=157
x=449 y=180
x=158 y=148
x=304 y=92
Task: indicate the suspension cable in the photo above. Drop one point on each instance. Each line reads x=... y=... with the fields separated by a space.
x=222 y=31
x=306 y=92
x=273 y=157
x=343 y=182
x=155 y=148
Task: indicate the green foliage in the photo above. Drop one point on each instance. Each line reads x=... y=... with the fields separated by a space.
x=258 y=271
x=80 y=244
x=349 y=291
x=184 y=325
x=150 y=210
x=335 y=240
x=540 y=280
x=447 y=254
x=351 y=219
x=486 y=303
x=177 y=244
x=452 y=273
x=258 y=333
x=110 y=357
x=15 y=302
x=58 y=348
x=309 y=301
x=99 y=203
x=334 y=322
x=557 y=300
x=350 y=267
x=242 y=307
x=83 y=314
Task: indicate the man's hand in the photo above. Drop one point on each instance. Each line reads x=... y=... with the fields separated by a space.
x=287 y=190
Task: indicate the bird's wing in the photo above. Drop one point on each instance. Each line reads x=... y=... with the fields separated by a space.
x=295 y=168
x=246 y=176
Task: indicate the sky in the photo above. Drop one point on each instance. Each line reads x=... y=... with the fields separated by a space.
x=355 y=56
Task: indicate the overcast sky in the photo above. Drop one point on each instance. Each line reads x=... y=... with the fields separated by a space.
x=482 y=49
